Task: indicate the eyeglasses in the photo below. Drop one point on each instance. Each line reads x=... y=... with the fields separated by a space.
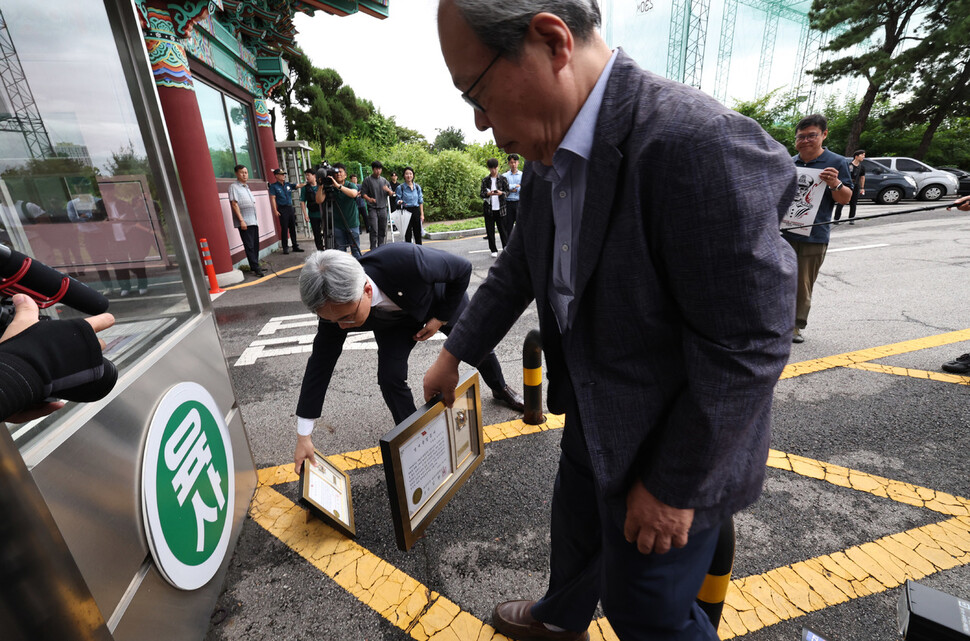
x=349 y=318
x=466 y=95
x=807 y=137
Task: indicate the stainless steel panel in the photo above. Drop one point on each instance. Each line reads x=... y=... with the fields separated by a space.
x=160 y=612
x=91 y=482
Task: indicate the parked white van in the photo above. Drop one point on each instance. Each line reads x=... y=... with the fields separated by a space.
x=931 y=184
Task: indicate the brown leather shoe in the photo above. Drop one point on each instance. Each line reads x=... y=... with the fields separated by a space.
x=511 y=398
x=514 y=619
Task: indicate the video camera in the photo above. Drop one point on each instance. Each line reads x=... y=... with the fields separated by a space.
x=324 y=173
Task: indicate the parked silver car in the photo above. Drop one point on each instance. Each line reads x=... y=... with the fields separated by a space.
x=931 y=184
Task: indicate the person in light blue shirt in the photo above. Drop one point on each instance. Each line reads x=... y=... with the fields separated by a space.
x=514 y=176
x=411 y=198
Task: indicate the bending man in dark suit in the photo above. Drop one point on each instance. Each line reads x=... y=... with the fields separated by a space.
x=649 y=241
x=404 y=293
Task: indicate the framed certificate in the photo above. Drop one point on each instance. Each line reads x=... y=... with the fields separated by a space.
x=325 y=489
x=429 y=456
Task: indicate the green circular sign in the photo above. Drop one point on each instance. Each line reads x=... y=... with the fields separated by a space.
x=188 y=486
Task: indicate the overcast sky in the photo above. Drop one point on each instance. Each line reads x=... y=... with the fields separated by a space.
x=395 y=63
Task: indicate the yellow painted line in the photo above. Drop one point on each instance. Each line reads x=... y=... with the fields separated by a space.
x=752 y=602
x=898 y=491
x=361 y=459
x=851 y=358
x=942 y=377
x=264 y=278
x=762 y=600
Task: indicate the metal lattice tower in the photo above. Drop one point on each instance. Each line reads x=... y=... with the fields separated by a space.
x=725 y=48
x=774 y=10
x=24 y=117
x=767 y=51
x=688 y=35
x=810 y=43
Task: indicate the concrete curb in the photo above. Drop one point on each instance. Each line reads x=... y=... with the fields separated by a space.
x=449 y=235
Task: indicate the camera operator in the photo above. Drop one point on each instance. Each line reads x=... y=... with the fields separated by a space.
x=37 y=360
x=345 y=220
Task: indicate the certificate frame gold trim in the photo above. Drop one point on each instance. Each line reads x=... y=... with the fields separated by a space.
x=345 y=526
x=407 y=528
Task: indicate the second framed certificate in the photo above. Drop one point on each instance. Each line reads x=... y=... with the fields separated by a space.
x=429 y=456
x=326 y=490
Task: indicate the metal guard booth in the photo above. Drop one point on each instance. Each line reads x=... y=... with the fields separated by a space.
x=118 y=121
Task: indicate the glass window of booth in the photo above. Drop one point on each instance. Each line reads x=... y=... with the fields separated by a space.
x=78 y=188
x=228 y=131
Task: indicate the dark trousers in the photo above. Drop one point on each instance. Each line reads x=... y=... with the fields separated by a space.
x=316 y=224
x=852 y=205
x=511 y=211
x=646 y=597
x=287 y=225
x=377 y=221
x=395 y=340
x=491 y=218
x=414 y=226
x=250 y=241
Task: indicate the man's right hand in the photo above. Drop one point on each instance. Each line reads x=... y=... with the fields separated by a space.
x=242 y=226
x=963 y=204
x=304 y=451
x=442 y=378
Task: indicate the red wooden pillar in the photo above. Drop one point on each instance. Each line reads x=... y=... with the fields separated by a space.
x=184 y=121
x=267 y=149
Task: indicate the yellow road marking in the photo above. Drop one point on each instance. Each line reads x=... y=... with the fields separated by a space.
x=942 y=377
x=264 y=278
x=752 y=602
x=755 y=602
x=872 y=353
x=876 y=485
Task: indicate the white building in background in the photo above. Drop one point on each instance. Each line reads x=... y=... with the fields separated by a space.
x=72 y=150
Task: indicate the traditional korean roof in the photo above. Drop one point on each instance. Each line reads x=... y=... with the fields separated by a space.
x=263 y=28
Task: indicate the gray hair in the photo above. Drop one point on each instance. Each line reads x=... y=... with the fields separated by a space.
x=501 y=26
x=331 y=276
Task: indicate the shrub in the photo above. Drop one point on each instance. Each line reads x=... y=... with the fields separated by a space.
x=452 y=178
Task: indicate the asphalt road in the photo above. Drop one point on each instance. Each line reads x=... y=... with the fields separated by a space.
x=883 y=282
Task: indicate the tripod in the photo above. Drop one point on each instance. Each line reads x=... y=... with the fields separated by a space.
x=326 y=215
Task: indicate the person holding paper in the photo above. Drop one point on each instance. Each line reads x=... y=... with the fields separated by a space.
x=813 y=160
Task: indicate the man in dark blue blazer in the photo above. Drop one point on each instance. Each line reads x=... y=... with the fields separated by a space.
x=649 y=240
x=404 y=293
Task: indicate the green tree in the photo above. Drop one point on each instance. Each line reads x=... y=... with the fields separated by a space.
x=319 y=107
x=878 y=25
x=449 y=138
x=773 y=112
x=940 y=87
x=481 y=152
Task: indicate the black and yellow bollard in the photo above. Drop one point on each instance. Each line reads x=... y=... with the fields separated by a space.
x=532 y=378
x=715 y=587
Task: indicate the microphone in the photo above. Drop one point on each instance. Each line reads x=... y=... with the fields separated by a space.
x=24 y=275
